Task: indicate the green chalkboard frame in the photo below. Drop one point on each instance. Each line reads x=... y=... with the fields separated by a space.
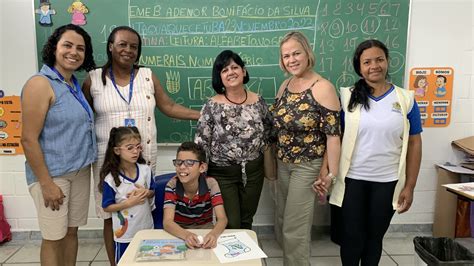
x=182 y=37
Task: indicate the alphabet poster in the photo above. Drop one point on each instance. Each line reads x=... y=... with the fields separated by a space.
x=433 y=87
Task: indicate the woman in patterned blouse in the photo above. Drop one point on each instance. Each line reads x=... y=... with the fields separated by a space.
x=234 y=127
x=306 y=117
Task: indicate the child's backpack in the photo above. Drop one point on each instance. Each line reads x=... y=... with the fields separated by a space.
x=5 y=233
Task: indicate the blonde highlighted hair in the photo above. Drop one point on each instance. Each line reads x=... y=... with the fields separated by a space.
x=303 y=41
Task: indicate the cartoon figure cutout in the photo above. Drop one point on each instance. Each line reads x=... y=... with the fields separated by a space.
x=441 y=81
x=78 y=9
x=45 y=13
x=420 y=85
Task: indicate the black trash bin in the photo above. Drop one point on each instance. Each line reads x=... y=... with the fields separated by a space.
x=442 y=251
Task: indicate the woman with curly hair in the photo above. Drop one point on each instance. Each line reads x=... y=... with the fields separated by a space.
x=59 y=142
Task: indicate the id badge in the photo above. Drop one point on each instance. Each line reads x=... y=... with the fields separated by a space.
x=129 y=122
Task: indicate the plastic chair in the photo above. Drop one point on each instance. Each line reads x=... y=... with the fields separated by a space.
x=160 y=185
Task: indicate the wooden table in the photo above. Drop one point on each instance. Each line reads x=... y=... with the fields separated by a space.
x=464 y=190
x=465 y=208
x=194 y=257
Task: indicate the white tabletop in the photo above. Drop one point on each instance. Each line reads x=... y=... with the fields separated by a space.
x=196 y=256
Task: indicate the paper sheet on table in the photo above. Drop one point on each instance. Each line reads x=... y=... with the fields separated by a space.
x=237 y=246
x=465 y=189
x=456 y=169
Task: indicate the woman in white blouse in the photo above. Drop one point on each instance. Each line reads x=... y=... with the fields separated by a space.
x=124 y=94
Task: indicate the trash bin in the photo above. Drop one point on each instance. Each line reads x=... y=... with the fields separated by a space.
x=442 y=251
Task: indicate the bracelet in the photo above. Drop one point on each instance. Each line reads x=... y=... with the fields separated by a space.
x=333 y=178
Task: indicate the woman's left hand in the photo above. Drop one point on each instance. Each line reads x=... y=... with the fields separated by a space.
x=405 y=199
x=321 y=185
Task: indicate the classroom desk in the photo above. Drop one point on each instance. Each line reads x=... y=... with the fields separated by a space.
x=193 y=257
x=465 y=208
x=462 y=190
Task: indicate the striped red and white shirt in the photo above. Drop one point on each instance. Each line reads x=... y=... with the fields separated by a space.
x=197 y=211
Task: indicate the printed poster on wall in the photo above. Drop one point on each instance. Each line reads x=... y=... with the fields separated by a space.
x=10 y=125
x=433 y=87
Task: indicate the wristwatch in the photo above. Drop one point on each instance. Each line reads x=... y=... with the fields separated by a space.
x=333 y=178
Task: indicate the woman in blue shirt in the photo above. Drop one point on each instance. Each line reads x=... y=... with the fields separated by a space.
x=59 y=142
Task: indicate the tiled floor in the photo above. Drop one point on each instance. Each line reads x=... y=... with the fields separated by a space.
x=398 y=250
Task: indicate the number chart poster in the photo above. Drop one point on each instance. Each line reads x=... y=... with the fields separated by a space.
x=433 y=87
x=10 y=125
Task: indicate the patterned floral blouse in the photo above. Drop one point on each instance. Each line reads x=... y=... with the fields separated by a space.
x=233 y=134
x=302 y=125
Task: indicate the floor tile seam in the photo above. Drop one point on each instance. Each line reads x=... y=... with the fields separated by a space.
x=394 y=261
x=13 y=254
x=97 y=254
x=397 y=254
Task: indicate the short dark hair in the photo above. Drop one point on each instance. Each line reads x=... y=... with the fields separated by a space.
x=445 y=79
x=49 y=48
x=223 y=60
x=195 y=148
x=110 y=40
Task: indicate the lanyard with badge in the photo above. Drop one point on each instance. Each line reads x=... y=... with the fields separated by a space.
x=129 y=121
x=76 y=91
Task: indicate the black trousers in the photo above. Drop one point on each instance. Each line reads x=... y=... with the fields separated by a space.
x=240 y=202
x=366 y=214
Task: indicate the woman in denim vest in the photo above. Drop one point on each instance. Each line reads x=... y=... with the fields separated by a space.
x=59 y=142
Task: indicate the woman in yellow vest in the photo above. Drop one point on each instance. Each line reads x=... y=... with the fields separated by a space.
x=380 y=155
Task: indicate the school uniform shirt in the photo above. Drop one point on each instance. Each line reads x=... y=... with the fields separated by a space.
x=401 y=104
x=376 y=155
x=197 y=211
x=129 y=221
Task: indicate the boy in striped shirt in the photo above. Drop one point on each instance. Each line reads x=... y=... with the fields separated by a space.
x=191 y=199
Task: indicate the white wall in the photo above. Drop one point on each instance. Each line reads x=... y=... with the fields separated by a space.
x=441 y=34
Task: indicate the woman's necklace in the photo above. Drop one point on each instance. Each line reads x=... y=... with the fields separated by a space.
x=225 y=95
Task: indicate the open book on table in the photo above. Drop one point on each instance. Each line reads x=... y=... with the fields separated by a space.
x=161 y=249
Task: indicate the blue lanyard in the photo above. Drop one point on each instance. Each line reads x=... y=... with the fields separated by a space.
x=130 y=93
x=76 y=92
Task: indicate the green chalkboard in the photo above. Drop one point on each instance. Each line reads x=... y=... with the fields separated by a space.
x=182 y=37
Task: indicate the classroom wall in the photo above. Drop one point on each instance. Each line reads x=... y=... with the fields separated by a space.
x=441 y=34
